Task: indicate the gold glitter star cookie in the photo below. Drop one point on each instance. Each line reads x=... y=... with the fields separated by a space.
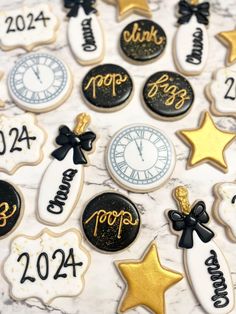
x=147 y=282
x=229 y=39
x=207 y=143
x=127 y=7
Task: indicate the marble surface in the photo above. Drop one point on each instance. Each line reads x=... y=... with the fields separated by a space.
x=104 y=286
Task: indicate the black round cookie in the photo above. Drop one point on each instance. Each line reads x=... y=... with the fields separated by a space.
x=10 y=207
x=168 y=95
x=110 y=222
x=107 y=87
x=143 y=40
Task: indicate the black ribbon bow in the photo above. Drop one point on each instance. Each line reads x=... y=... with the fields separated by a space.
x=192 y=222
x=68 y=140
x=74 y=6
x=187 y=10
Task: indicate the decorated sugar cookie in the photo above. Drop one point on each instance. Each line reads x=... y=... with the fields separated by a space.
x=225 y=207
x=229 y=39
x=27 y=27
x=11 y=208
x=107 y=88
x=1 y=102
x=21 y=142
x=111 y=222
x=208 y=143
x=191 y=56
x=63 y=180
x=205 y=265
x=143 y=41
x=85 y=32
x=222 y=92
x=168 y=95
x=47 y=266
x=127 y=7
x=39 y=82
x=146 y=282
x=140 y=158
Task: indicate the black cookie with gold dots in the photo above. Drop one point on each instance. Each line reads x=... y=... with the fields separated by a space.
x=143 y=41
x=168 y=95
x=107 y=87
x=111 y=222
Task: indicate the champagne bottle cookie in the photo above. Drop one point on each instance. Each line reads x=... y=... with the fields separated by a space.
x=63 y=180
x=85 y=33
x=205 y=265
x=191 y=41
x=27 y=27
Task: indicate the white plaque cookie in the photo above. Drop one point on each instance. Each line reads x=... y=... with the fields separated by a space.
x=21 y=141
x=46 y=266
x=27 y=27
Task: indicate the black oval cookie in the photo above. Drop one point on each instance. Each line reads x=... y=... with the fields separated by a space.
x=168 y=95
x=110 y=222
x=107 y=87
x=143 y=40
x=10 y=207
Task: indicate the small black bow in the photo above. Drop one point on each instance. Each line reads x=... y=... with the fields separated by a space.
x=74 y=6
x=186 y=10
x=68 y=139
x=192 y=222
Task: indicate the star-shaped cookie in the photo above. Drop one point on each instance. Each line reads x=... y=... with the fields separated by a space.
x=147 y=281
x=207 y=143
x=127 y=7
x=229 y=39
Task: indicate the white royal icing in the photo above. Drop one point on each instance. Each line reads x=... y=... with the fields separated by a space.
x=226 y=209
x=15 y=149
x=202 y=282
x=187 y=43
x=41 y=250
x=27 y=27
x=50 y=186
x=223 y=91
x=85 y=36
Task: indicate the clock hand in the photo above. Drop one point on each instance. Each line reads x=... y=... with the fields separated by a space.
x=36 y=72
x=140 y=153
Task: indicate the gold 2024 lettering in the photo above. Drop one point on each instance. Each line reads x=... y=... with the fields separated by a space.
x=109 y=80
x=137 y=35
x=175 y=95
x=4 y=215
x=111 y=217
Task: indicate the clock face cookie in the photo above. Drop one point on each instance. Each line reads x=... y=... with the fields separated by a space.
x=11 y=208
x=222 y=92
x=21 y=141
x=140 y=158
x=39 y=82
x=110 y=222
x=107 y=87
x=27 y=27
x=46 y=266
x=168 y=95
x=143 y=41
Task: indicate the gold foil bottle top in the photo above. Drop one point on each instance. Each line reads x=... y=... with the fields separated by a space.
x=82 y=122
x=181 y=195
x=194 y=2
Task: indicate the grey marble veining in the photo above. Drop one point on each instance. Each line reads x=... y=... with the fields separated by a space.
x=103 y=285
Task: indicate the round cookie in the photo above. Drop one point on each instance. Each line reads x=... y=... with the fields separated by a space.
x=110 y=222
x=107 y=87
x=11 y=208
x=168 y=95
x=140 y=158
x=143 y=41
x=39 y=82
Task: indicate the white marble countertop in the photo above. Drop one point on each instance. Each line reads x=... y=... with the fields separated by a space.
x=104 y=286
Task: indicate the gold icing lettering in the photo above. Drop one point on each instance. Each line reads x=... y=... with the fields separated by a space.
x=108 y=80
x=172 y=90
x=137 y=35
x=111 y=217
x=3 y=213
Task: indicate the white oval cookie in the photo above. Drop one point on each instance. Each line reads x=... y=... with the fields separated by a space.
x=21 y=141
x=47 y=266
x=27 y=27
